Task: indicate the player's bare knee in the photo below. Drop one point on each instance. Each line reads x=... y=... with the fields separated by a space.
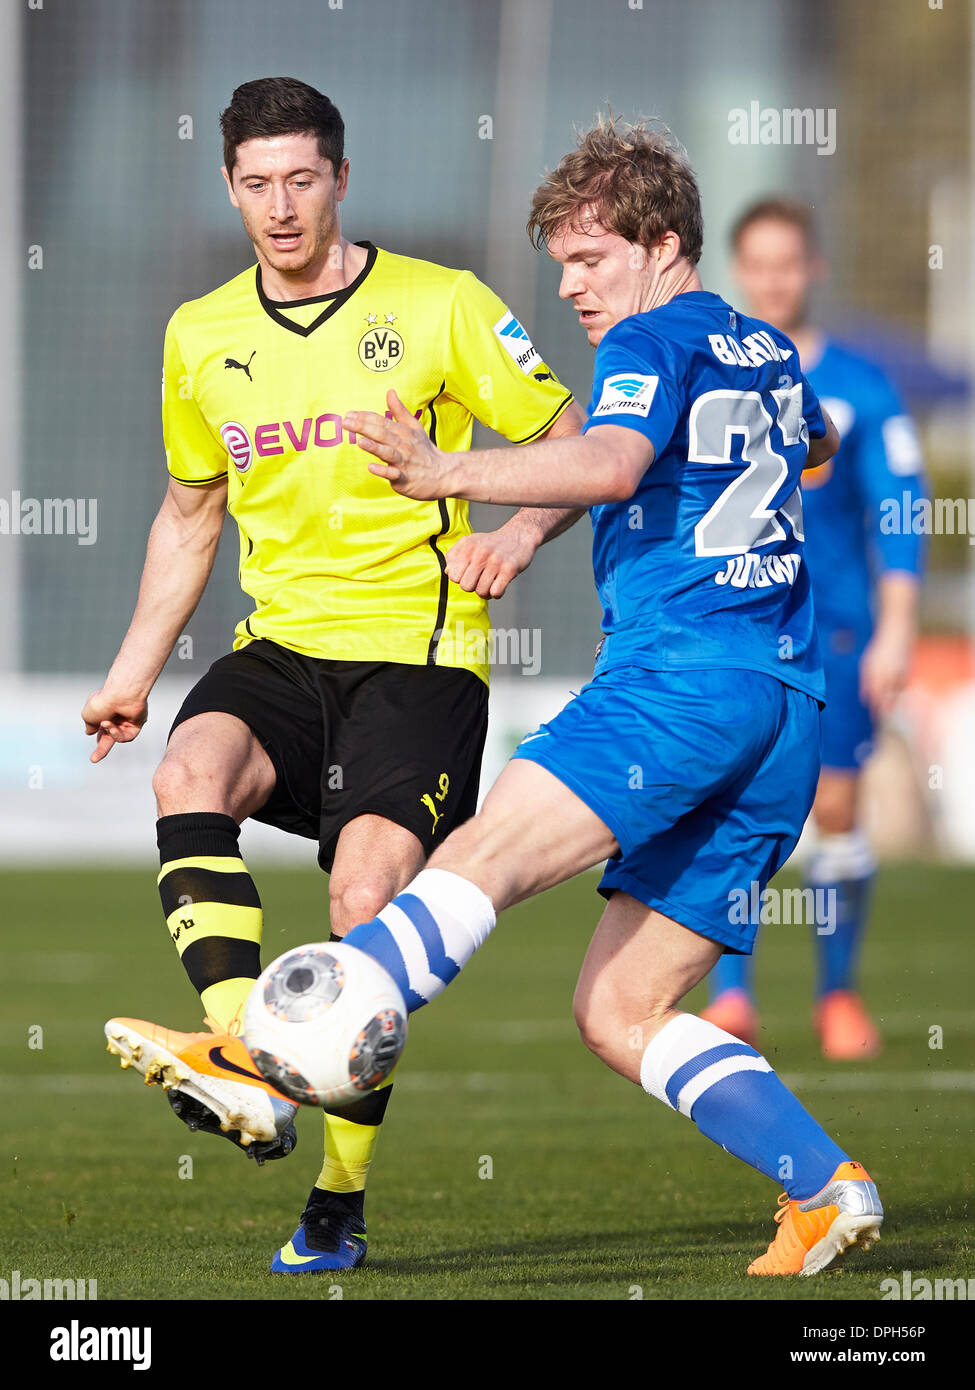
x=598 y=1022
x=354 y=901
x=590 y=1033
x=180 y=786
x=170 y=785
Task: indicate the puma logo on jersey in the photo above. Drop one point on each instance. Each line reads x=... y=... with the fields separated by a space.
x=427 y=801
x=244 y=367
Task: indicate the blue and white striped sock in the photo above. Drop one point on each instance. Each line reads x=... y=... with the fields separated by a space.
x=428 y=933
x=734 y=1097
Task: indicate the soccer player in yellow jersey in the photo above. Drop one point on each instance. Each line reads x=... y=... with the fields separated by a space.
x=353 y=707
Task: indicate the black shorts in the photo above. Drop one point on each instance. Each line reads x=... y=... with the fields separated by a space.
x=354 y=738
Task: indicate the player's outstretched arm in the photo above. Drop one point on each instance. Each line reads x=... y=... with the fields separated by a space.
x=822 y=450
x=486 y=562
x=179 y=557
x=603 y=465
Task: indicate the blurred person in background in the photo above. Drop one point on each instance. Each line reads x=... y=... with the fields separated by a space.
x=865 y=581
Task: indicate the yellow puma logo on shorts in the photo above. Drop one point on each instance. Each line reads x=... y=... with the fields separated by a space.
x=441 y=795
x=427 y=800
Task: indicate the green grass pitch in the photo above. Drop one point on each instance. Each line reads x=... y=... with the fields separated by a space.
x=596 y=1191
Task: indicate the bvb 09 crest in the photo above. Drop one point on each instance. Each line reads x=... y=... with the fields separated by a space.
x=381 y=348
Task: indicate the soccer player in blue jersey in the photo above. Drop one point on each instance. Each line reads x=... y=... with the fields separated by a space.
x=865 y=582
x=690 y=761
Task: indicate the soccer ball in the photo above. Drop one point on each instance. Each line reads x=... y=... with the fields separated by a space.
x=325 y=1024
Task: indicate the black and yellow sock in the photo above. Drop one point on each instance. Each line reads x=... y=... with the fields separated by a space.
x=351 y=1136
x=212 y=910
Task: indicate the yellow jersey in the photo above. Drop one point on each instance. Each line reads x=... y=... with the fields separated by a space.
x=254 y=390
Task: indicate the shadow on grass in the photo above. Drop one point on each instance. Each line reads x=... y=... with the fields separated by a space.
x=704 y=1252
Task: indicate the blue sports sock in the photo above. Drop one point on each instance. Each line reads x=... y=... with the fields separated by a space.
x=734 y=1097
x=427 y=934
x=731 y=972
x=842 y=875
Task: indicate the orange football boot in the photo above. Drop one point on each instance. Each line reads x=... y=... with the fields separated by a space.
x=846 y=1031
x=213 y=1070
x=734 y=1011
x=815 y=1233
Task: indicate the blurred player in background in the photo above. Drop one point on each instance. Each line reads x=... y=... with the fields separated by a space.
x=353 y=708
x=865 y=589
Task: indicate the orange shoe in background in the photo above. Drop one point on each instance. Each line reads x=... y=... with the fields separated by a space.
x=815 y=1233
x=734 y=1011
x=846 y=1031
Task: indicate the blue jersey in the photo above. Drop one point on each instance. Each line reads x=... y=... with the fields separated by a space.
x=703 y=566
x=878 y=462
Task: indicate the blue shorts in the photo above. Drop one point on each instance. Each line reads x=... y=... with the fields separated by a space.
x=847 y=723
x=705 y=778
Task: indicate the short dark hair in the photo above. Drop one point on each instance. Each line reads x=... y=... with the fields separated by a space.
x=777 y=209
x=281 y=106
x=637 y=179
